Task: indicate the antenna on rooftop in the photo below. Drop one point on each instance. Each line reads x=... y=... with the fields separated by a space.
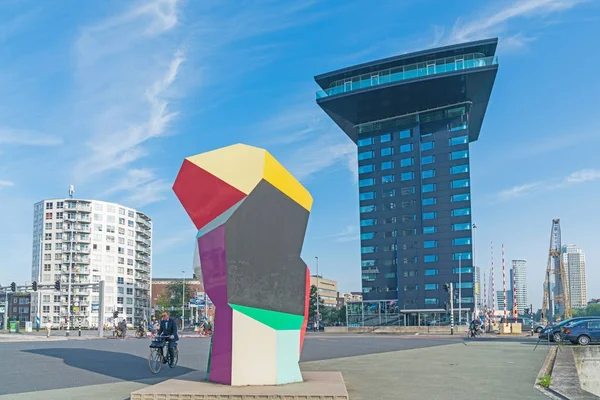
x=71 y=190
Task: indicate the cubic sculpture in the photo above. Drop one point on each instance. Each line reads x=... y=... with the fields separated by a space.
x=251 y=215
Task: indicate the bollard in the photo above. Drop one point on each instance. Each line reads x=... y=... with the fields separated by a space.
x=79 y=331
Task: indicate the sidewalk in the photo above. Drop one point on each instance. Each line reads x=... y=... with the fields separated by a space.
x=465 y=370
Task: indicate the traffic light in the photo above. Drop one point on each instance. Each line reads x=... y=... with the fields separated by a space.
x=446 y=307
x=115 y=314
x=527 y=311
x=57 y=284
x=13 y=287
x=447 y=287
x=34 y=286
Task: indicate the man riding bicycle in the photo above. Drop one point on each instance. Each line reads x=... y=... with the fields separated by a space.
x=168 y=329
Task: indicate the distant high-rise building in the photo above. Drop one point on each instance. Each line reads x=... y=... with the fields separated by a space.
x=93 y=240
x=500 y=302
x=518 y=283
x=574 y=261
x=478 y=288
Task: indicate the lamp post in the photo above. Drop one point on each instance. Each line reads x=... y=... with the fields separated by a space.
x=318 y=279
x=183 y=300
x=476 y=287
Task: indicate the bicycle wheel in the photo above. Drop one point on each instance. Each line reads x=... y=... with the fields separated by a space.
x=175 y=357
x=155 y=360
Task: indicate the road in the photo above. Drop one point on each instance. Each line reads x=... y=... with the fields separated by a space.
x=111 y=368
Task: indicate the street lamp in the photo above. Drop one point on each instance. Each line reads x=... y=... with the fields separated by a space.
x=183 y=300
x=318 y=279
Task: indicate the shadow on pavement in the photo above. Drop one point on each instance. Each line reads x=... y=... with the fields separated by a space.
x=117 y=365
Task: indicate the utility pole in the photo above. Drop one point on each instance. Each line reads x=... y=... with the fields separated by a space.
x=459 y=291
x=5 y=319
x=183 y=300
x=101 y=309
x=476 y=285
x=448 y=287
x=318 y=279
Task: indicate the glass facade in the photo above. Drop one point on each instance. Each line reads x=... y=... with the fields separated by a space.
x=413 y=140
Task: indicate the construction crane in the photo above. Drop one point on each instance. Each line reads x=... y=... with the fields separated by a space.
x=556 y=300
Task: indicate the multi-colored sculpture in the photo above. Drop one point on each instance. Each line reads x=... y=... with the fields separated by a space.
x=251 y=215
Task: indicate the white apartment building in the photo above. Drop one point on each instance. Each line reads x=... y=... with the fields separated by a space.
x=574 y=261
x=518 y=283
x=94 y=240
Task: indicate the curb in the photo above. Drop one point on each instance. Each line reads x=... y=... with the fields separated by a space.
x=547 y=370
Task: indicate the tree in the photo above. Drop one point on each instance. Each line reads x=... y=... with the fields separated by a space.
x=592 y=310
x=175 y=294
x=312 y=307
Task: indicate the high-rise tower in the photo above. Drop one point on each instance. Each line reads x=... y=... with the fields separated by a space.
x=413 y=118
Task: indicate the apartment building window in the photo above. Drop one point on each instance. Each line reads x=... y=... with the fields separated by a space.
x=431 y=272
x=387 y=178
x=367 y=209
x=130 y=214
x=130 y=252
x=46 y=309
x=388 y=193
x=367 y=249
x=462 y=270
x=387 y=137
x=459 y=169
x=121 y=231
x=459 y=212
x=129 y=261
x=460 y=197
x=129 y=290
x=462 y=256
x=461 y=241
x=98 y=227
x=111 y=209
x=431 y=300
x=97 y=217
x=121 y=221
x=460 y=183
x=429 y=201
x=130 y=232
x=56 y=309
x=366 y=195
x=120 y=290
x=388 y=206
x=428 y=173
x=121 y=240
x=427 y=146
x=121 y=270
x=428 y=230
x=47 y=267
x=458 y=126
x=59 y=225
x=405 y=191
x=59 y=204
x=56 y=299
x=430 y=187
x=407 y=162
x=427 y=160
x=387 y=165
x=429 y=215
x=428 y=244
x=366 y=155
x=389 y=220
x=366 y=182
x=48 y=225
x=458 y=140
x=120 y=280
x=411 y=288
x=387 y=151
x=59 y=215
x=47 y=246
x=48 y=206
x=407 y=176
x=368 y=222
x=431 y=286
x=458 y=155
x=463 y=285
x=405 y=134
x=110 y=229
x=121 y=211
x=129 y=301
x=461 y=227
x=46 y=298
x=121 y=260
x=121 y=250
x=119 y=300
x=365 y=142
x=389 y=234
x=48 y=215
x=405 y=148
x=47 y=257
x=430 y=258
x=409 y=217
x=367 y=236
x=363 y=169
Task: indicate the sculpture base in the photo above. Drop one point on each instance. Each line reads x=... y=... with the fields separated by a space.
x=192 y=386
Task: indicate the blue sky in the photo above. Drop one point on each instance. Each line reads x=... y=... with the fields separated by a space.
x=111 y=96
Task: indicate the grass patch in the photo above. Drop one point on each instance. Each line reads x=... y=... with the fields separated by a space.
x=545 y=381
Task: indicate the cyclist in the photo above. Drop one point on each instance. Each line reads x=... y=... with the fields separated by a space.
x=168 y=329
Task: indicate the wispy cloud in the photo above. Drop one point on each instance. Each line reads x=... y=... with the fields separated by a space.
x=498 y=21
x=140 y=187
x=128 y=103
x=27 y=138
x=6 y=183
x=348 y=234
x=532 y=188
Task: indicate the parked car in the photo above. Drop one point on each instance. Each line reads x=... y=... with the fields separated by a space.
x=583 y=332
x=555 y=331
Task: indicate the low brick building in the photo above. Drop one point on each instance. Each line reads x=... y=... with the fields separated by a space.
x=19 y=306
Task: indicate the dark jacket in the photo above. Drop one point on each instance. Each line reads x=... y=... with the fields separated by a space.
x=168 y=328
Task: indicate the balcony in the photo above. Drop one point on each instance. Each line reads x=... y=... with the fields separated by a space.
x=77 y=217
x=412 y=71
x=142 y=259
x=144 y=223
x=143 y=240
x=143 y=231
x=143 y=249
x=142 y=286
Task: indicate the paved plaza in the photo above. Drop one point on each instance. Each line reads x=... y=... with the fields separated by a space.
x=374 y=366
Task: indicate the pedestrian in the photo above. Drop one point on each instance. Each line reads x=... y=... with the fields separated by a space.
x=123 y=328
x=48 y=328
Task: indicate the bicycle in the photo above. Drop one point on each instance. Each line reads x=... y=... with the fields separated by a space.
x=158 y=357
